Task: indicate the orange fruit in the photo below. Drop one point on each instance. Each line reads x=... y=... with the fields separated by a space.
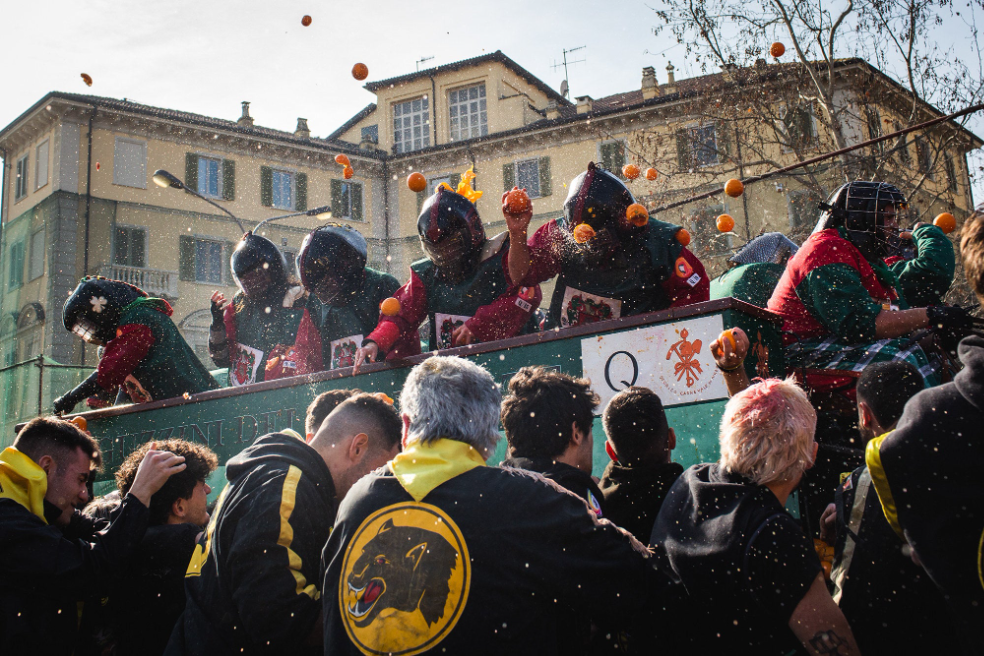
x=683 y=236
x=360 y=71
x=306 y=20
x=630 y=171
x=945 y=222
x=80 y=423
x=390 y=307
x=348 y=172
x=383 y=396
x=651 y=174
x=518 y=201
x=343 y=160
x=87 y=79
x=730 y=336
x=417 y=182
x=637 y=214
x=583 y=232
x=726 y=223
x=777 y=50
x=734 y=188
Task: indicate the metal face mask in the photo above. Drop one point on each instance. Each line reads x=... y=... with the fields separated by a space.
x=87 y=330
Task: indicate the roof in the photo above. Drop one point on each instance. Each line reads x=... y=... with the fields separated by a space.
x=128 y=106
x=496 y=56
x=366 y=111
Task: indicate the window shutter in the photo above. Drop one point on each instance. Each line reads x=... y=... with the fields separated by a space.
x=455 y=179
x=301 y=181
x=266 y=186
x=683 y=149
x=227 y=249
x=421 y=197
x=138 y=239
x=228 y=179
x=186 y=258
x=544 y=176
x=356 y=195
x=336 y=198
x=508 y=176
x=191 y=171
x=722 y=139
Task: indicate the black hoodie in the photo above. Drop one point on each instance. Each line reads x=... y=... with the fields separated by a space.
x=253 y=587
x=634 y=495
x=566 y=476
x=930 y=471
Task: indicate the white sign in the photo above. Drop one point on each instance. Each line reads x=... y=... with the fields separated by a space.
x=671 y=359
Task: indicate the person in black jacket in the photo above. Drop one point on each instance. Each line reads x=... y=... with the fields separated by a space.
x=640 y=474
x=45 y=573
x=253 y=587
x=547 y=418
x=438 y=553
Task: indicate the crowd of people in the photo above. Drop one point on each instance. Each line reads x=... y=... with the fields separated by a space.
x=385 y=529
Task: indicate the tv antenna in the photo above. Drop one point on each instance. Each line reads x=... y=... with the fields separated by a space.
x=565 y=85
x=422 y=60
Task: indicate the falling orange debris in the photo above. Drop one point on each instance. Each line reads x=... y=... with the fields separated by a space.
x=683 y=236
x=630 y=171
x=777 y=49
x=87 y=79
x=98 y=166
x=390 y=307
x=348 y=172
x=651 y=174
x=637 y=214
x=80 y=423
x=945 y=222
x=360 y=71
x=343 y=160
x=734 y=188
x=306 y=20
x=583 y=233
x=384 y=397
x=725 y=223
x=518 y=201
x=417 y=182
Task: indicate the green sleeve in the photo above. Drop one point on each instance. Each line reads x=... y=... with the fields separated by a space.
x=925 y=279
x=834 y=295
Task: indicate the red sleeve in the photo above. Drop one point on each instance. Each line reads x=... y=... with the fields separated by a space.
x=308 y=345
x=123 y=354
x=687 y=269
x=229 y=317
x=403 y=327
x=506 y=315
x=545 y=245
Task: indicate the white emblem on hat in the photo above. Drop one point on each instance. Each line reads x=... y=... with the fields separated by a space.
x=98 y=304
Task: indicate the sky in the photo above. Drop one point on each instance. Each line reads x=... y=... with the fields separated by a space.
x=206 y=56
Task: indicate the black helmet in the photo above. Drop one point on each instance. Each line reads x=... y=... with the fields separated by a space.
x=868 y=212
x=93 y=310
x=259 y=254
x=451 y=231
x=600 y=199
x=332 y=263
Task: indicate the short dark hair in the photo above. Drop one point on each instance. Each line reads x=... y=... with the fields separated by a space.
x=200 y=461
x=635 y=424
x=373 y=409
x=972 y=251
x=540 y=408
x=50 y=436
x=886 y=387
x=322 y=405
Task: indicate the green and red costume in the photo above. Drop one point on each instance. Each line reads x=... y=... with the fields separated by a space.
x=752 y=283
x=925 y=279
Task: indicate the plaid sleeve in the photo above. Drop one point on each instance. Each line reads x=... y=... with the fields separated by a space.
x=834 y=295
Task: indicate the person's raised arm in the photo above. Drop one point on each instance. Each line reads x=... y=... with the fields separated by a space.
x=519 y=256
x=729 y=351
x=820 y=625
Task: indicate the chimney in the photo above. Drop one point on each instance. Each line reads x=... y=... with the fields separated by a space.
x=650 y=88
x=302 y=130
x=553 y=110
x=584 y=104
x=245 y=120
x=760 y=64
x=670 y=79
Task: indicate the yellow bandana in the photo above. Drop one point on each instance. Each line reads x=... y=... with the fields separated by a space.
x=23 y=480
x=422 y=467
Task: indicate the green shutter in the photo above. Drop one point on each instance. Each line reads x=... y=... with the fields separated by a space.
x=336 y=199
x=508 y=176
x=683 y=149
x=191 y=171
x=228 y=179
x=186 y=258
x=356 y=196
x=266 y=186
x=613 y=157
x=722 y=139
x=227 y=249
x=301 y=204
x=544 y=176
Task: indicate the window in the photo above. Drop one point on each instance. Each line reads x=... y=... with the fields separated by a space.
x=208 y=261
x=204 y=259
x=411 y=125
x=803 y=206
x=15 y=274
x=797 y=130
x=434 y=183
x=370 y=133
x=346 y=200
x=130 y=163
x=697 y=146
x=613 y=156
x=20 y=182
x=41 y=165
x=283 y=190
x=468 y=116
x=874 y=129
x=902 y=148
x=703 y=224
x=951 y=174
x=211 y=176
x=35 y=267
x=209 y=179
x=532 y=175
x=130 y=246
x=925 y=156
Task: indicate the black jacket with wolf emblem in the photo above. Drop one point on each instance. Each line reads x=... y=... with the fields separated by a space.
x=506 y=550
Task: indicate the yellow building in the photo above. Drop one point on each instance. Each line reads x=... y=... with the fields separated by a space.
x=78 y=197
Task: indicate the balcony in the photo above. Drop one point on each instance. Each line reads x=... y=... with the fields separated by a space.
x=155 y=282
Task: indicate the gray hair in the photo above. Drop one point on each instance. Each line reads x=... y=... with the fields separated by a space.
x=446 y=396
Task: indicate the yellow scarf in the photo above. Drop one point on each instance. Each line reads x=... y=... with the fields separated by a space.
x=422 y=467
x=22 y=480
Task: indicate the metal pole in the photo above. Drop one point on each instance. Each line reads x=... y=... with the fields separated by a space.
x=40 y=364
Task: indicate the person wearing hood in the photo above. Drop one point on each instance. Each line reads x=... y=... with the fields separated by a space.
x=256 y=334
x=755 y=270
x=463 y=286
x=927 y=472
x=253 y=584
x=608 y=265
x=145 y=353
x=47 y=575
x=345 y=294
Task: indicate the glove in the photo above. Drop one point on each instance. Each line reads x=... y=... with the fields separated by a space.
x=951 y=323
x=218 y=315
x=68 y=401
